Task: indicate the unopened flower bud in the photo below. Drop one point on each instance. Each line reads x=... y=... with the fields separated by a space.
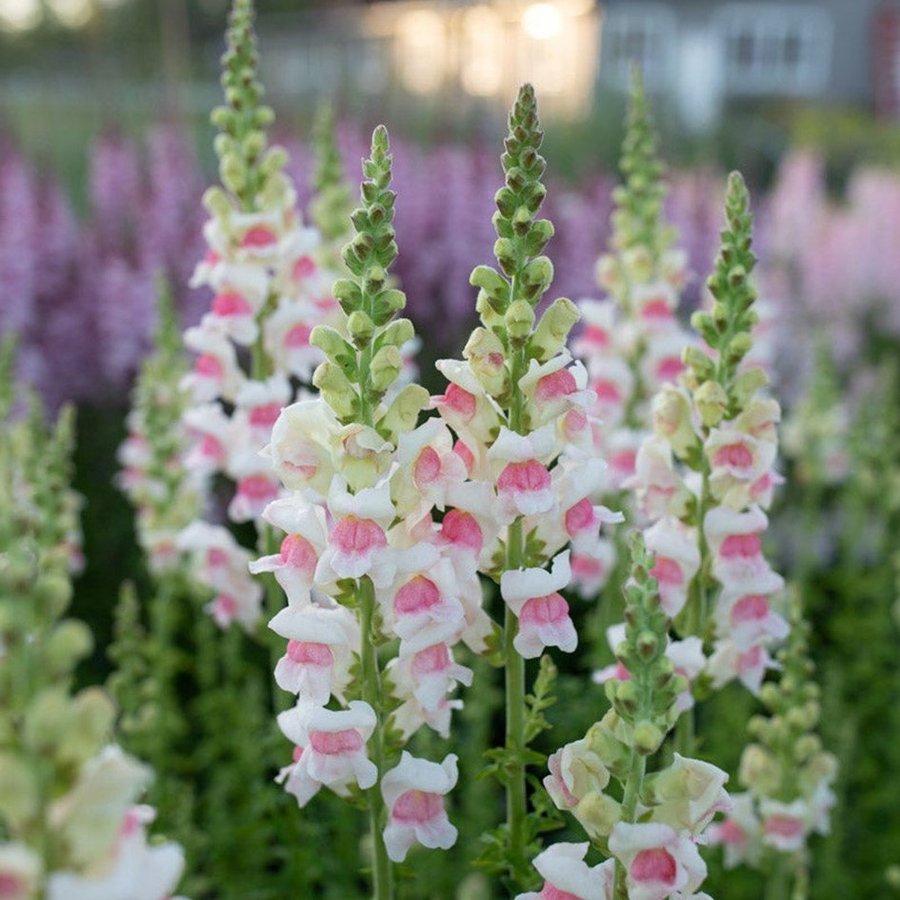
x=553 y=329
x=67 y=644
x=386 y=367
x=598 y=814
x=712 y=402
x=647 y=738
x=335 y=388
x=360 y=328
x=486 y=356
x=519 y=320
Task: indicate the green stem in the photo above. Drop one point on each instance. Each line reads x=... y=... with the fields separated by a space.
x=383 y=888
x=778 y=883
x=629 y=812
x=516 y=800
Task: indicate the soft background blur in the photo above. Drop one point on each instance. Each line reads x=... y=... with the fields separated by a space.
x=105 y=149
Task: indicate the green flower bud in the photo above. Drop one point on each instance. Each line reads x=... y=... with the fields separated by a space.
x=647 y=738
x=712 y=401
x=487 y=357
x=598 y=814
x=553 y=329
x=398 y=333
x=360 y=328
x=519 y=320
x=385 y=368
x=402 y=414
x=19 y=794
x=701 y=365
x=68 y=643
x=335 y=388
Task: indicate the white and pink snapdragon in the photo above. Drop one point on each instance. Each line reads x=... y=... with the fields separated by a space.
x=632 y=340
x=366 y=563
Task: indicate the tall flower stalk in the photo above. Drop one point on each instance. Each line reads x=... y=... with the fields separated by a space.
x=788 y=775
x=705 y=477
x=518 y=407
x=70 y=821
x=375 y=604
x=631 y=341
x=645 y=820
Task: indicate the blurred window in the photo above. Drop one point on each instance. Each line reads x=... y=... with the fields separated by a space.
x=641 y=34
x=773 y=48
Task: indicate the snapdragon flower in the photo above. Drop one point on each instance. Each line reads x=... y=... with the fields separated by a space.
x=65 y=786
x=632 y=340
x=270 y=278
x=519 y=409
x=647 y=823
x=375 y=597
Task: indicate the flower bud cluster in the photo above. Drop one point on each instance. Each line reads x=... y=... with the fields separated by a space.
x=271 y=289
x=69 y=824
x=167 y=493
x=632 y=342
x=519 y=408
x=707 y=473
x=367 y=571
x=787 y=773
x=648 y=824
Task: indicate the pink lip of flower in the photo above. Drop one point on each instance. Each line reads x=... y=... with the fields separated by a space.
x=575 y=422
x=732 y=833
x=231 y=303
x=586 y=566
x=656 y=310
x=669 y=368
x=465 y=454
x=216 y=557
x=746 y=546
x=296 y=754
x=607 y=391
x=459 y=401
x=298 y=337
x=336 y=743
x=264 y=416
x=209 y=366
x=303 y=268
x=418 y=595
x=753 y=608
x=524 y=477
x=427 y=468
x=555 y=386
x=259 y=237
x=462 y=530
x=432 y=660
x=211 y=448
x=667 y=571
x=298 y=553
x=735 y=456
x=751 y=660
x=355 y=536
x=225 y=608
x=784 y=826
x=549 y=610
x=595 y=335
x=581 y=517
x=310 y=653
x=623 y=461
x=325 y=302
x=549 y=892
x=257 y=488
x=654 y=866
x=12 y=886
x=417 y=807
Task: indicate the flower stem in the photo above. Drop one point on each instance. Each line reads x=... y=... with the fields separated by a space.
x=629 y=811
x=382 y=879
x=516 y=802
